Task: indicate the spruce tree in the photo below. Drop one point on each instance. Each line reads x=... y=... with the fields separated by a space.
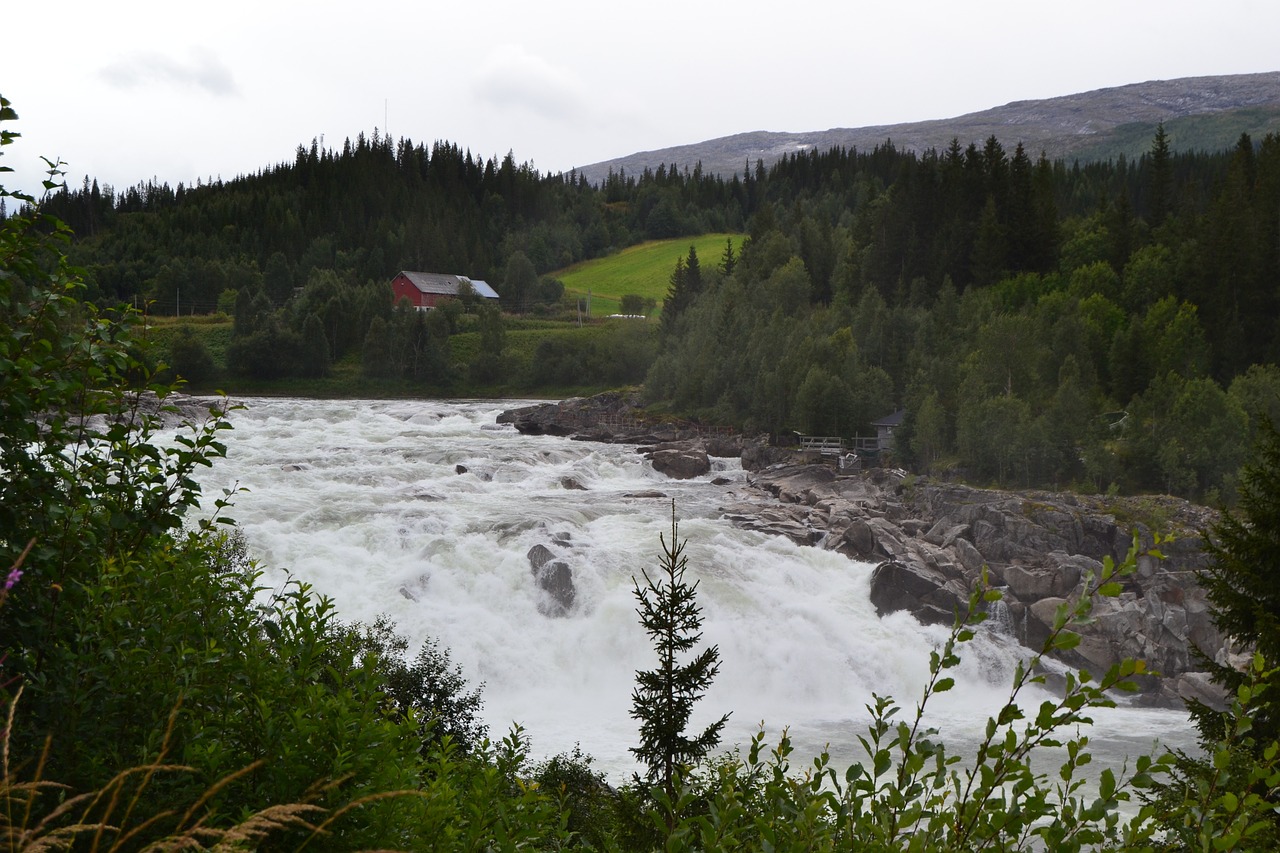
x=1243 y=582
x=664 y=697
x=728 y=260
x=678 y=297
x=1161 y=177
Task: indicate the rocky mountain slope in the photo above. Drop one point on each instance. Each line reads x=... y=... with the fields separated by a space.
x=1198 y=113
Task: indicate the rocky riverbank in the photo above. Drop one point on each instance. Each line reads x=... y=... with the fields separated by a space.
x=931 y=540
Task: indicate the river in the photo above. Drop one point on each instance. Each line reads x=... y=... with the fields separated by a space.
x=365 y=501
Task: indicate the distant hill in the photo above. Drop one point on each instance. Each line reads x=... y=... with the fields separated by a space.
x=1199 y=113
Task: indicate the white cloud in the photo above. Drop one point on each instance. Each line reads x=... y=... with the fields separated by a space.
x=203 y=71
x=512 y=77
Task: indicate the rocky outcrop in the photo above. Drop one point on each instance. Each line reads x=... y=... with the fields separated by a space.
x=679 y=449
x=932 y=541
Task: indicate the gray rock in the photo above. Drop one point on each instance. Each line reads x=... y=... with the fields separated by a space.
x=969 y=556
x=539 y=556
x=913 y=587
x=760 y=455
x=681 y=464
x=858 y=540
x=555 y=579
x=1199 y=687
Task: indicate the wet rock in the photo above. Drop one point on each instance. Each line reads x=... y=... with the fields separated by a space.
x=858 y=540
x=539 y=555
x=681 y=463
x=916 y=588
x=649 y=493
x=1199 y=687
x=459 y=469
x=572 y=483
x=555 y=579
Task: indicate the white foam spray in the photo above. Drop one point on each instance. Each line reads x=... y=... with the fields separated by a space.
x=364 y=500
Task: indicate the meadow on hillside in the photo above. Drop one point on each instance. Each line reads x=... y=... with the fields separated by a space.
x=644 y=270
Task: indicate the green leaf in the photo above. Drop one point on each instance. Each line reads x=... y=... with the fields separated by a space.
x=1066 y=641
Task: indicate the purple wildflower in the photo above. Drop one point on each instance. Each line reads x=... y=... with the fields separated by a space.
x=15 y=575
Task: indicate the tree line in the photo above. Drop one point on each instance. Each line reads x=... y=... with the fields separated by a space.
x=1131 y=346
x=1099 y=325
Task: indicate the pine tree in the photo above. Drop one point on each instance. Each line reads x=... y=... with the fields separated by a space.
x=664 y=697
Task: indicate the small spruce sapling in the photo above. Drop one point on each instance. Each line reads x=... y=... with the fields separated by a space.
x=664 y=697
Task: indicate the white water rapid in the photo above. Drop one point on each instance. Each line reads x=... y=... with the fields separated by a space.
x=363 y=500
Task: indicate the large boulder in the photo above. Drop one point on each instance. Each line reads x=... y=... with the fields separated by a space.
x=555 y=579
x=921 y=590
x=858 y=540
x=681 y=463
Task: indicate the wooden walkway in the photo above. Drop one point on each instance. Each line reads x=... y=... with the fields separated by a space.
x=834 y=445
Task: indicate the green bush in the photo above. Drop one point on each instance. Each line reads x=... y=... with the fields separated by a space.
x=189 y=357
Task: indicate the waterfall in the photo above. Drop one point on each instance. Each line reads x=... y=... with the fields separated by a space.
x=1000 y=618
x=426 y=511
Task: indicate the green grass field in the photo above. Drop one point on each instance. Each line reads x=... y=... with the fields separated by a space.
x=644 y=270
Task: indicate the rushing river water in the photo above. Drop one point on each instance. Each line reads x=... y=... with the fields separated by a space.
x=364 y=500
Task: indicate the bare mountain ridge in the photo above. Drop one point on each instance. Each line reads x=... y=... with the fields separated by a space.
x=1198 y=113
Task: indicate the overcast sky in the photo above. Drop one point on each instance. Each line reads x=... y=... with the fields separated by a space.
x=129 y=90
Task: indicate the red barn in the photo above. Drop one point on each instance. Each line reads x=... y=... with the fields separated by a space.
x=428 y=289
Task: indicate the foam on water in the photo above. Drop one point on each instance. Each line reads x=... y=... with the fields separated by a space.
x=364 y=500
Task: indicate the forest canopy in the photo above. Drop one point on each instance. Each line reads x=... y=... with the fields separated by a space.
x=1089 y=325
